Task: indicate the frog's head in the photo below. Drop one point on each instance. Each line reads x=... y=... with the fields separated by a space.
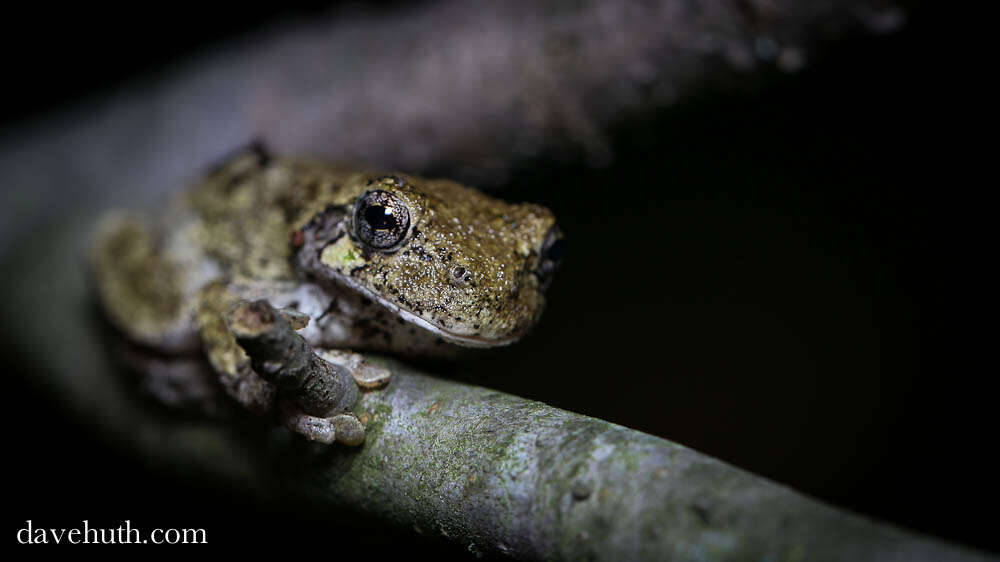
x=468 y=267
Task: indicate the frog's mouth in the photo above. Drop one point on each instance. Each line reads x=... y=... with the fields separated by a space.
x=549 y=257
x=465 y=340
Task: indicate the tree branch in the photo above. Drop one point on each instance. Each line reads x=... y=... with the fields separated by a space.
x=502 y=474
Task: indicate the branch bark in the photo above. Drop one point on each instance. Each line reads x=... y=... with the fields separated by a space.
x=506 y=475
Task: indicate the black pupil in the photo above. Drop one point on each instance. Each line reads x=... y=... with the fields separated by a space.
x=379 y=219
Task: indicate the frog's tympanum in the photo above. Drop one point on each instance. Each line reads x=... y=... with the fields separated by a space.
x=278 y=271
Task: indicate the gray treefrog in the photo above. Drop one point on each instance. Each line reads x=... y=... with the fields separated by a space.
x=272 y=273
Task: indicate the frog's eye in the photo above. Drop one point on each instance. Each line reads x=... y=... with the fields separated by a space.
x=381 y=219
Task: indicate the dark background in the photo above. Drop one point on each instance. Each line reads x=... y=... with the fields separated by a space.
x=788 y=280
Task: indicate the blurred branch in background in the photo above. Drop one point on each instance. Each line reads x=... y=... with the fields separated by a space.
x=471 y=90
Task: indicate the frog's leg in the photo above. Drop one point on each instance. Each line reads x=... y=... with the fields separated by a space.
x=141 y=288
x=316 y=391
x=345 y=428
x=227 y=358
x=299 y=303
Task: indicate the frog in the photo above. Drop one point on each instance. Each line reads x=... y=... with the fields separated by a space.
x=271 y=281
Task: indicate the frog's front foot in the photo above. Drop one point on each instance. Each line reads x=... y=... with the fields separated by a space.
x=316 y=391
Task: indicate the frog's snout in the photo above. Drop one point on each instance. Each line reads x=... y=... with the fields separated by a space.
x=550 y=255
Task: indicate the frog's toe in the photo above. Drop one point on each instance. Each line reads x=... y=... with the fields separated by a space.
x=350 y=430
x=312 y=428
x=371 y=377
x=365 y=374
x=342 y=428
x=297 y=320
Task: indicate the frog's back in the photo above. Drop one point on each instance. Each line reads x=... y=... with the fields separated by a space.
x=235 y=223
x=248 y=208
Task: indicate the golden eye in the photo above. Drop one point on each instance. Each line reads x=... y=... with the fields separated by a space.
x=381 y=220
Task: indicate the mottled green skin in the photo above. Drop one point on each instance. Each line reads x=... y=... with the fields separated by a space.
x=469 y=269
x=244 y=215
x=466 y=269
